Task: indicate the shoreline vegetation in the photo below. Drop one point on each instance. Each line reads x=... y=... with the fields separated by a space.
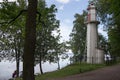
x=69 y=70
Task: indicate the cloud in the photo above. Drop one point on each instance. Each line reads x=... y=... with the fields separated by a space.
x=12 y=0
x=63 y=1
x=66 y=1
x=68 y=21
x=61 y=7
x=104 y=33
x=77 y=0
x=65 y=31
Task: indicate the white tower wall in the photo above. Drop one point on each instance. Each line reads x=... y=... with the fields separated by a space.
x=91 y=42
x=100 y=56
x=93 y=54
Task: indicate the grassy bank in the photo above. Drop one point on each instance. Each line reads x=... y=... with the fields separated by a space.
x=69 y=70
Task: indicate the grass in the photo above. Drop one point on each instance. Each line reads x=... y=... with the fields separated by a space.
x=69 y=70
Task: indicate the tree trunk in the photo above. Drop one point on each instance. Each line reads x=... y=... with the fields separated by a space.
x=17 y=54
x=40 y=64
x=17 y=62
x=30 y=41
x=58 y=61
x=18 y=58
x=58 y=65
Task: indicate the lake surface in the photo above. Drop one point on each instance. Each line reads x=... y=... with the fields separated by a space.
x=7 y=68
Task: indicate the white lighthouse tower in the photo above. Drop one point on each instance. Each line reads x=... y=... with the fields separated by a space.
x=92 y=34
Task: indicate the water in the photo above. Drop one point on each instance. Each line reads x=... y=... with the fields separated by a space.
x=7 y=68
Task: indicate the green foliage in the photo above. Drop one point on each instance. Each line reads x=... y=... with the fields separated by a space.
x=69 y=70
x=72 y=69
x=114 y=10
x=12 y=31
x=12 y=34
x=114 y=38
x=48 y=46
x=103 y=43
x=48 y=34
x=108 y=12
x=46 y=40
x=78 y=35
x=103 y=11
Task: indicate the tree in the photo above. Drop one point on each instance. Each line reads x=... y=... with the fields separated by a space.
x=114 y=38
x=109 y=14
x=60 y=53
x=45 y=37
x=30 y=41
x=103 y=43
x=108 y=11
x=12 y=31
x=78 y=35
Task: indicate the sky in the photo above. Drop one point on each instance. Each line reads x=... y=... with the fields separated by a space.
x=66 y=11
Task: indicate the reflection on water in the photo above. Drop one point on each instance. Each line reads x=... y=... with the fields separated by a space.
x=7 y=68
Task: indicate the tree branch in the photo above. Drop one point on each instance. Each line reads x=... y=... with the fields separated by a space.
x=39 y=18
x=17 y=16
x=14 y=18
